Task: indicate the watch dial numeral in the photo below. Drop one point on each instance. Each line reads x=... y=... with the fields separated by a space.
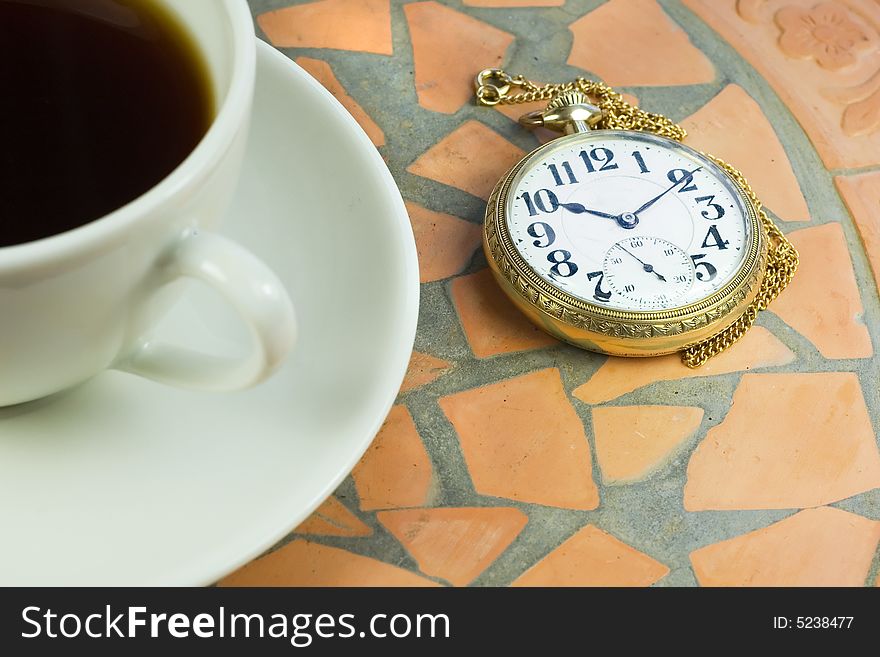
x=599 y=294
x=527 y=199
x=542 y=230
x=719 y=211
x=544 y=200
x=562 y=264
x=600 y=155
x=643 y=168
x=613 y=218
x=569 y=174
x=682 y=175
x=709 y=270
x=715 y=236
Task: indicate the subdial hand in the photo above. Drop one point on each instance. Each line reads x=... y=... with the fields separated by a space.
x=577 y=208
x=647 y=267
x=684 y=179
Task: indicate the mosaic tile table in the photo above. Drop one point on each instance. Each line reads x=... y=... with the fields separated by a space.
x=513 y=459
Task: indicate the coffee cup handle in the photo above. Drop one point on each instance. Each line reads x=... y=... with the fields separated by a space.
x=256 y=294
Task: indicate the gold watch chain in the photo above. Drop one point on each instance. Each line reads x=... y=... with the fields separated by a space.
x=494 y=87
x=782 y=262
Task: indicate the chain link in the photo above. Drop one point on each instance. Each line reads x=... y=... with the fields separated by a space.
x=616 y=112
x=782 y=263
x=494 y=87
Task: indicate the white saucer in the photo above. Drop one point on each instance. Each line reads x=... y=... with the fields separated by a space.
x=126 y=482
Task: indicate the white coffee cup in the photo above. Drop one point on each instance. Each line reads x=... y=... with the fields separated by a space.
x=77 y=303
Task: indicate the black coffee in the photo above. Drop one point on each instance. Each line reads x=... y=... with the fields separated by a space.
x=99 y=100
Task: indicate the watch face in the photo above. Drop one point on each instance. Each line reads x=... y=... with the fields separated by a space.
x=629 y=221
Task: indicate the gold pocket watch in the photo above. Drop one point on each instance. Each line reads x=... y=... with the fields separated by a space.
x=618 y=238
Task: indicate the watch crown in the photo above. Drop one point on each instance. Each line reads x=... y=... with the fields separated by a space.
x=569 y=98
x=568 y=112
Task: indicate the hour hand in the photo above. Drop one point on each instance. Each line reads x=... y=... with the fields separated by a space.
x=577 y=208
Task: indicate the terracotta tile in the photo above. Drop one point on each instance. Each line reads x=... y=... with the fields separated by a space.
x=449 y=48
x=633 y=441
x=457 y=544
x=821 y=58
x=361 y=25
x=514 y=3
x=332 y=518
x=422 y=370
x=522 y=440
x=816 y=547
x=593 y=558
x=491 y=322
x=459 y=159
x=732 y=127
x=618 y=376
x=445 y=243
x=395 y=471
x=862 y=196
x=788 y=441
x=807 y=31
x=321 y=71
x=632 y=100
x=655 y=52
x=303 y=563
x=823 y=302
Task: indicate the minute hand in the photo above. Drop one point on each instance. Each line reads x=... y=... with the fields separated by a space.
x=686 y=178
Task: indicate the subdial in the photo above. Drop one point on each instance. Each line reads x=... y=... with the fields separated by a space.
x=648 y=270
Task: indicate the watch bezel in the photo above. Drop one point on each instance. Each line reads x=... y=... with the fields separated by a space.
x=560 y=303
